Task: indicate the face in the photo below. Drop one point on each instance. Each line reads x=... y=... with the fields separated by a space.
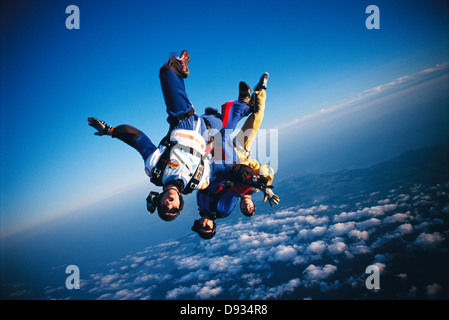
x=247 y=205
x=171 y=199
x=206 y=224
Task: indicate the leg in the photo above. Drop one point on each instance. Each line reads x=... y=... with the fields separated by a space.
x=173 y=89
x=251 y=126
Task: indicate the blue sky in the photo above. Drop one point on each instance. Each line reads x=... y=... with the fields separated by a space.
x=318 y=54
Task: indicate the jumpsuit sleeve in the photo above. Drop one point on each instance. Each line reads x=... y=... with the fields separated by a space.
x=135 y=138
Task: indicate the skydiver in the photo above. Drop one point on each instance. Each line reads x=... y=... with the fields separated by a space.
x=179 y=155
x=220 y=198
x=177 y=164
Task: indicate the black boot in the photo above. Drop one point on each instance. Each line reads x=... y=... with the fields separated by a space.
x=244 y=91
x=262 y=85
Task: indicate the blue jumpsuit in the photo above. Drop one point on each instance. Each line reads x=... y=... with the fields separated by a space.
x=218 y=200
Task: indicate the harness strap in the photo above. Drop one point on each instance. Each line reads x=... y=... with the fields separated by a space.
x=195 y=180
x=186 y=115
x=158 y=171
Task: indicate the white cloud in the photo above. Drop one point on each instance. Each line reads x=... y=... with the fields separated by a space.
x=381 y=210
x=209 y=290
x=373 y=222
x=177 y=292
x=252 y=279
x=397 y=217
x=403 y=197
x=109 y=278
x=337 y=247
x=313 y=272
x=381 y=266
x=191 y=276
x=361 y=235
x=404 y=229
x=317 y=247
x=225 y=264
x=191 y=262
x=428 y=240
x=124 y=294
x=279 y=291
x=312 y=233
x=284 y=253
x=360 y=249
x=341 y=228
x=352 y=215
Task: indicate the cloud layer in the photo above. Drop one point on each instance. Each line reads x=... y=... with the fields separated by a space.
x=294 y=253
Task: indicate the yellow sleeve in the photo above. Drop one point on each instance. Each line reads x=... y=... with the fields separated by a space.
x=254 y=164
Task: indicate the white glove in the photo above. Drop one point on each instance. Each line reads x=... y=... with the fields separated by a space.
x=270 y=196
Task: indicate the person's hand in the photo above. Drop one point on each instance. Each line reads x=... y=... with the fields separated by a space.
x=259 y=182
x=270 y=196
x=101 y=126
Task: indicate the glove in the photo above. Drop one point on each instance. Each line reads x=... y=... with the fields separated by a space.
x=241 y=174
x=270 y=196
x=101 y=126
x=258 y=182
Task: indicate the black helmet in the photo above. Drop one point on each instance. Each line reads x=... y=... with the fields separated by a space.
x=201 y=231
